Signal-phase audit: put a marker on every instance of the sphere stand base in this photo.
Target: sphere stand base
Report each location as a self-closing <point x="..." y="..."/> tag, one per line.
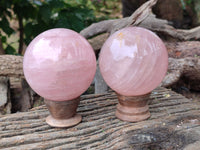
<point x="133" y="108"/>
<point x="63" y="113"/>
<point x="63" y="122"/>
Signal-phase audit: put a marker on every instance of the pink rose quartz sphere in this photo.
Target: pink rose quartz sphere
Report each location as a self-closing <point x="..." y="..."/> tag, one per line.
<point x="59" y="64"/>
<point x="133" y="61"/>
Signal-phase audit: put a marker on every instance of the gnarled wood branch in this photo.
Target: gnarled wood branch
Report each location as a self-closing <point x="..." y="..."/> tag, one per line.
<point x="142" y="17"/>
<point x="111" y="26"/>
<point x="186" y="67"/>
<point x="162" y="26"/>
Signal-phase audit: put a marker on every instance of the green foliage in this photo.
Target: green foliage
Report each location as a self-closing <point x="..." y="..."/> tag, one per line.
<point x="189" y="2"/>
<point x="185" y="3"/>
<point x="10" y="50"/>
<point x="38" y="16"/>
<point x="59" y="14"/>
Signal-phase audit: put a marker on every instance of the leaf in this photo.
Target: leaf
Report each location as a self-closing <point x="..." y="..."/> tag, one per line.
<point x="54" y="4"/>
<point x="28" y="29"/>
<point x="3" y="39"/>
<point x="41" y="15"/>
<point x="4" y="25"/>
<point x="63" y="23"/>
<point x="45" y="13"/>
<point x="10" y="50"/>
<point x="76" y="23"/>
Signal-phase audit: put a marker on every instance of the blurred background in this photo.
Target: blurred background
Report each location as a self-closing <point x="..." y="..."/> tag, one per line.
<point x="22" y="20"/>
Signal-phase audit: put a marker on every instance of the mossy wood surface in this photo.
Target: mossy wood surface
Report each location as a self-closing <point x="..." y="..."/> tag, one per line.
<point x="174" y="124"/>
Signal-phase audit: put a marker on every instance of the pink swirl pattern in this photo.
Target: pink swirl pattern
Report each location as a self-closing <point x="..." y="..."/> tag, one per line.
<point x="133" y="61"/>
<point x="59" y="64"/>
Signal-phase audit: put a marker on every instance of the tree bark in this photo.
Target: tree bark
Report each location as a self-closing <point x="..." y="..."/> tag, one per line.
<point x="2" y="51"/>
<point x="188" y="67"/>
<point x="183" y="49"/>
<point x="100" y="85"/>
<point x="5" y="103"/>
<point x="11" y="65"/>
<point x="22" y="97"/>
<point x="174" y="11"/>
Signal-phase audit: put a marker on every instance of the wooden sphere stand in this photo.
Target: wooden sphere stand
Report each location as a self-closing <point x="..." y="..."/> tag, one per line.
<point x="63" y="113"/>
<point x="133" y="108"/>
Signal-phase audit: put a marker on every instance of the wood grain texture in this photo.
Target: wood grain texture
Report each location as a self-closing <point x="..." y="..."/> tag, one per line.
<point x="11" y="66"/>
<point x="5" y="104"/>
<point x="183" y="49"/>
<point x="174" y="124"/>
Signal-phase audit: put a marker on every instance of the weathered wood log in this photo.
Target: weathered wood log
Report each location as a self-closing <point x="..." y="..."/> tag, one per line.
<point x="174" y="124"/>
<point x="175" y="49"/>
<point x="11" y="65"/>
<point x="97" y="42"/>
<point x="100" y="84"/>
<point x="183" y="49"/>
<point x="189" y="68"/>
<point x="22" y="97"/>
<point x="5" y="104"/>
<point x="161" y="26"/>
<point x="167" y="9"/>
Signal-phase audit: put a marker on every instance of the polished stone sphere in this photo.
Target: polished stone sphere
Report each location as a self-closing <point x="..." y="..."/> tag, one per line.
<point x="59" y="64"/>
<point x="133" y="61"/>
